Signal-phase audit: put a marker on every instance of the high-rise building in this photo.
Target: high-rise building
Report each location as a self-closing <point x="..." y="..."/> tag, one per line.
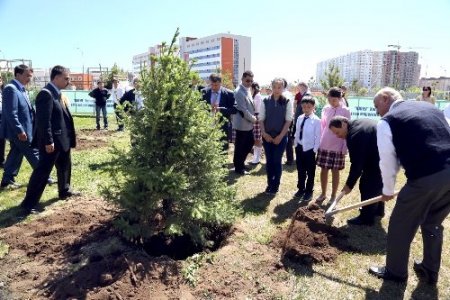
<point x="375" y="68"/>
<point x="229" y="53"/>
<point x="437" y="83"/>
<point x="142" y="60"/>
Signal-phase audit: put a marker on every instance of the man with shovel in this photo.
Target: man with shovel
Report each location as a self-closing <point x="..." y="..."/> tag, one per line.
<point x="415" y="135"/>
<point x="361" y="137"/>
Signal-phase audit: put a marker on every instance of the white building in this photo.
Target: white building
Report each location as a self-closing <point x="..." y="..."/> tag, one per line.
<point x="375" y="68"/>
<point x="143" y="60"/>
<point x="228" y="52"/>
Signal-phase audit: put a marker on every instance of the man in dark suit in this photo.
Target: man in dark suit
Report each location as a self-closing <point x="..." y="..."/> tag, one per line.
<point x="361" y="137"/>
<point x="55" y="135"/>
<point x="221" y="100"/>
<point x="17" y="125"/>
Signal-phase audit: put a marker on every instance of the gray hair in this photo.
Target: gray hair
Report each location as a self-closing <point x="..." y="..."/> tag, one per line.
<point x="277" y="80"/>
<point x="389" y="93"/>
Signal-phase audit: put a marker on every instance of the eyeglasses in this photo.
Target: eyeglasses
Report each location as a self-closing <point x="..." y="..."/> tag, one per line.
<point x="249" y="80"/>
<point x="425" y="89"/>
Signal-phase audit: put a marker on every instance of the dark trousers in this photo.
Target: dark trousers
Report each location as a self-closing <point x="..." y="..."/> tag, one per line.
<point x="119" y="116"/>
<point x="2" y="146"/>
<point x="13" y="162"/>
<point x="290" y="147"/>
<point x="306" y="168"/>
<point x="274" y="168"/>
<point x="370" y="186"/>
<point x="2" y="151"/>
<point x="423" y="202"/>
<point x="98" y="109"/>
<point x="38" y="180"/>
<point x="242" y="147"/>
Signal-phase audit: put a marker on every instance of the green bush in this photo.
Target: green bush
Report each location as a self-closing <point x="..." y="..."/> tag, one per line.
<point x="172" y="180"/>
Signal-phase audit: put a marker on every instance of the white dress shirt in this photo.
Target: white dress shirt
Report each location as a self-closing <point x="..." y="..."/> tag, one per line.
<point x="311" y="132"/>
<point x="116" y="94"/>
<point x="389" y="163"/>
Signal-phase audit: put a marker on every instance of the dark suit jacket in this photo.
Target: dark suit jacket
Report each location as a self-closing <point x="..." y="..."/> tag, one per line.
<point x="17" y="115"/>
<point x="129" y="97"/>
<point x="54" y="123"/>
<point x="226" y="103"/>
<point x="364" y="157"/>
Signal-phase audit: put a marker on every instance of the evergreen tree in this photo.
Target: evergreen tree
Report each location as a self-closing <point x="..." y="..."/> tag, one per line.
<point x="172" y="180"/>
<point x="332" y="78"/>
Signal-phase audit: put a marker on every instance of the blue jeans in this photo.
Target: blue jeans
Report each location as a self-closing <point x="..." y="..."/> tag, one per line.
<point x="13" y="162"/>
<point x="274" y="155"/>
<point x="99" y="108"/>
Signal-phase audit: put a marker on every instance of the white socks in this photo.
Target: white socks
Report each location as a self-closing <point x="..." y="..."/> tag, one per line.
<point x="256" y="154"/>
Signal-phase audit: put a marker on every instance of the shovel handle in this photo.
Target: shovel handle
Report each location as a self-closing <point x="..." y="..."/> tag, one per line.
<point x="334" y="203"/>
<point x="357" y="205"/>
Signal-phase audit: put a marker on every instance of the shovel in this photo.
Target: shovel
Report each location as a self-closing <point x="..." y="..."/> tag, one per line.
<point x="330" y="212"/>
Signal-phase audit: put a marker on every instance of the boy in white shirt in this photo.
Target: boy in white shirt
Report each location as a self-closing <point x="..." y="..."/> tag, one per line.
<point x="306" y="142"/>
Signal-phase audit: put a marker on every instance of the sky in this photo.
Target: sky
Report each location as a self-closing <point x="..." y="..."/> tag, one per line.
<point x="288" y="37"/>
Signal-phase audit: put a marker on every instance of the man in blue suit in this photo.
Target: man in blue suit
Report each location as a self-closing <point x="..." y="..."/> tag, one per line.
<point x="17" y="125"/>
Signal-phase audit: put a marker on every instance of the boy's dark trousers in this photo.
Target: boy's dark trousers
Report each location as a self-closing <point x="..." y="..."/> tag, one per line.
<point x="306" y="168"/>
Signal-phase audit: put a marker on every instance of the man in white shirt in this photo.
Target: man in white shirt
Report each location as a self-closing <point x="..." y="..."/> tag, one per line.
<point x="116" y="94"/>
<point x="415" y="135"/>
<point x="306" y="142"/>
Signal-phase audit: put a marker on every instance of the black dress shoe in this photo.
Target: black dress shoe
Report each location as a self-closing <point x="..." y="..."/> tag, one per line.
<point x="241" y="172"/>
<point x="424" y="273"/>
<point x="69" y="194"/>
<point x="51" y="181"/>
<point x="383" y="273"/>
<point x="10" y="185"/>
<point x="360" y="221"/>
<point x="307" y="197"/>
<point x="299" y="194"/>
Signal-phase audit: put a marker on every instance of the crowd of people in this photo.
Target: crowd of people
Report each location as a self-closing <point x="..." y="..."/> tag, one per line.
<point x="411" y="134"/>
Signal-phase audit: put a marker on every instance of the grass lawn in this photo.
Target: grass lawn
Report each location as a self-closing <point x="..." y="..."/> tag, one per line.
<point x="262" y="217"/>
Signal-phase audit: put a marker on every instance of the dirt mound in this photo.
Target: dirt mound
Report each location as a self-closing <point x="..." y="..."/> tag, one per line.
<point x="309" y="239"/>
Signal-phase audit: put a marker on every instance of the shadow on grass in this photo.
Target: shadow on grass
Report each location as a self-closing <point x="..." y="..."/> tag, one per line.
<point x="100" y="166"/>
<point x="425" y="291"/>
<point x="286" y="210"/>
<point x="15" y="214"/>
<point x="366" y="239"/>
<point x="257" y="204"/>
<point x="389" y="290"/>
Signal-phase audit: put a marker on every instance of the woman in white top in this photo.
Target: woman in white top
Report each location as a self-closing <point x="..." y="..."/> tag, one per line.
<point x="426" y="95"/>
<point x="257" y="149"/>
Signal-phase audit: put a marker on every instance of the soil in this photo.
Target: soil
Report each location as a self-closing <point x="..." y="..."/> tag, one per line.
<point x="91" y="139"/>
<point x="72" y="251"/>
<point x="309" y="239"/>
